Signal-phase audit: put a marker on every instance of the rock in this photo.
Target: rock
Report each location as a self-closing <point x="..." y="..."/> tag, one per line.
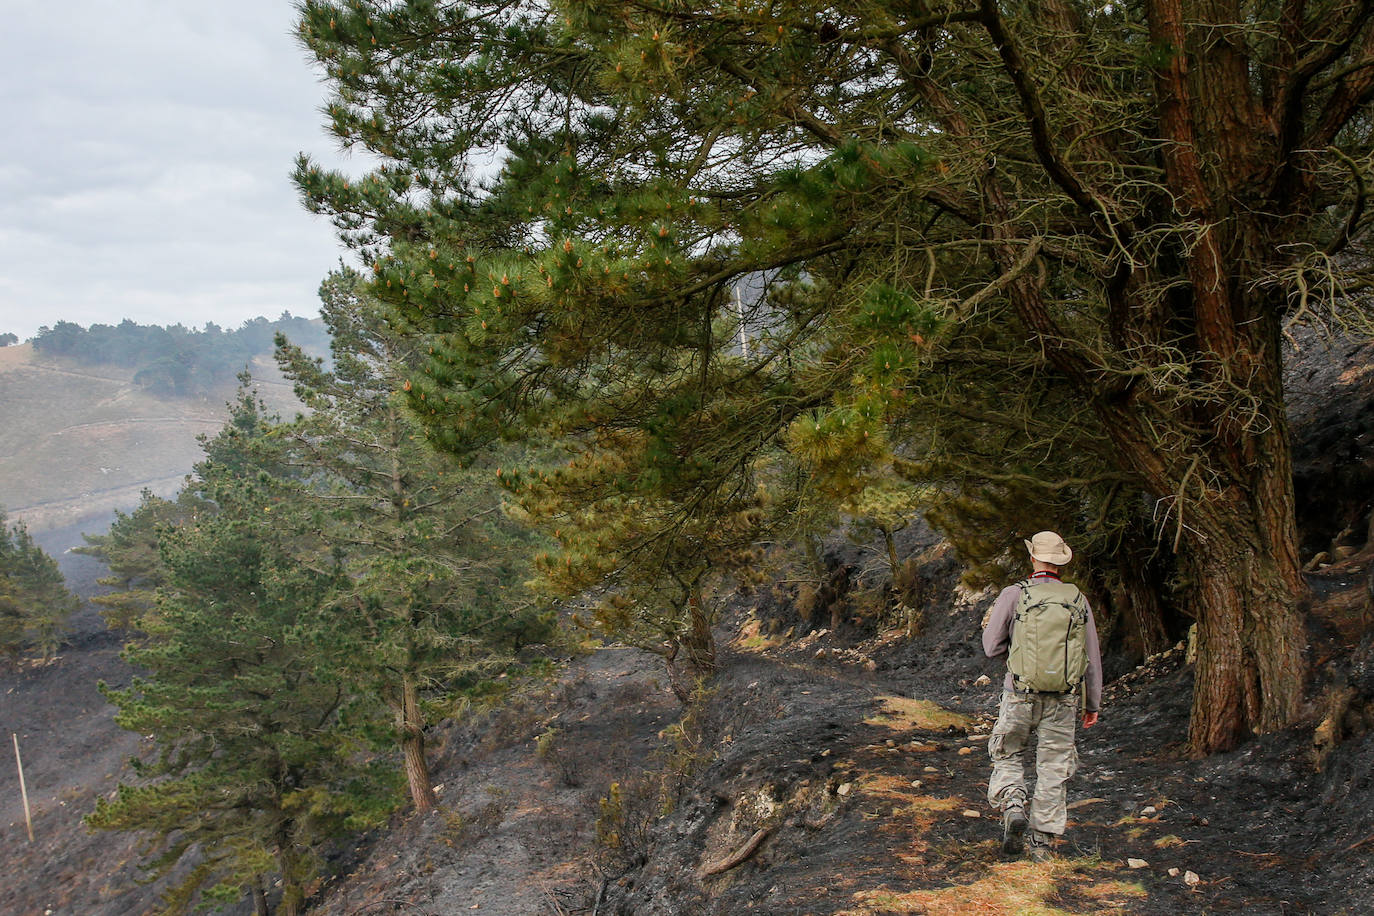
<point x="890" y="743"/>
<point x="983" y="681"/>
<point x="821" y="653"/>
<point x="1149" y="811"/>
<point x="1173" y="873"/>
<point x="932" y="769"/>
<point x="965" y="751"/>
<point x="1137" y="863"/>
<point x="844" y="789"/>
<point x="969" y="812"/>
<point x="916" y="784"/>
<point x="1190" y="878"/>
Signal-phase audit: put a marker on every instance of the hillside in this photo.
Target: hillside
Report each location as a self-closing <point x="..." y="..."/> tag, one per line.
<point x="78" y="441"/>
<point x="832" y="772"/>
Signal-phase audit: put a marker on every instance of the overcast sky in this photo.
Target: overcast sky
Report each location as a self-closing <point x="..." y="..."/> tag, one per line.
<point x="145" y="164"/>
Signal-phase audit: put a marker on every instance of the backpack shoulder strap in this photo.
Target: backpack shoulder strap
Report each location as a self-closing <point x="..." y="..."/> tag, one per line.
<point x="1024" y="599"/>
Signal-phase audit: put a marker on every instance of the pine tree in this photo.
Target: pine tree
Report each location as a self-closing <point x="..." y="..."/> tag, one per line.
<point x="1124" y="203"/>
<point x="130" y="549"/>
<point x="433" y="566"/>
<point x="34" y="600"/>
<point x="254" y="765"/>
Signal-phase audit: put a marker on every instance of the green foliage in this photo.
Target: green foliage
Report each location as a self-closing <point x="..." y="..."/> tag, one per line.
<point x="432" y="565"/>
<point x="131" y="550"/>
<point x="1019" y="251"/>
<point x="255" y="763"/>
<point x="34" y="600"/>
<point x="175" y="360"/>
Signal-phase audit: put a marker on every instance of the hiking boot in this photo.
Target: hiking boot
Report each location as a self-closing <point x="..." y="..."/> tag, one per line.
<point x="1038" y="847"/>
<point x="1013" y="828"/>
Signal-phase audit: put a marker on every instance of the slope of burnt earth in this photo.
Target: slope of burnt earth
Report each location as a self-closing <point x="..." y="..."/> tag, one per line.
<point x="515" y="832"/>
<point x="1329" y="388"/>
<point x="853" y="783"/>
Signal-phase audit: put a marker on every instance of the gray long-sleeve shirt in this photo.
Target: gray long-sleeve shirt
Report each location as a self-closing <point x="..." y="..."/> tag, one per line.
<point x="997" y="641"/>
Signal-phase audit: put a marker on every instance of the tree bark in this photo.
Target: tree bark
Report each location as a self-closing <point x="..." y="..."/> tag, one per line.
<point x="1249" y="669"/>
<point x="1141" y="599"/>
<point x="412" y="725"/>
<point x="259" y="897"/>
<point x="698" y="644"/>
<point x="289" y="863"/>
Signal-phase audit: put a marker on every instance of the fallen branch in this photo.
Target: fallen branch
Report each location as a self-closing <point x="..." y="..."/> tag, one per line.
<point x="740" y="855"/>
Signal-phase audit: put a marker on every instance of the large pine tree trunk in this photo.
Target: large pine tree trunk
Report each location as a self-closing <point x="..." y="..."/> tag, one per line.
<point x="1248" y="676"/>
<point x="412" y="726"/>
<point x="1237" y="544"/>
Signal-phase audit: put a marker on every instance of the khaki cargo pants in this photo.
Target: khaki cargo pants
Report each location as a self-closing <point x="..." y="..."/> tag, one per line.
<point x="1053" y="717"/>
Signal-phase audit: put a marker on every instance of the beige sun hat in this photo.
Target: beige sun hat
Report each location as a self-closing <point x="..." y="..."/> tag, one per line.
<point x="1048" y="547"/>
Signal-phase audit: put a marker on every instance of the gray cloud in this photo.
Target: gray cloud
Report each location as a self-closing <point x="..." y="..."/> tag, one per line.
<point x="145" y="172"/>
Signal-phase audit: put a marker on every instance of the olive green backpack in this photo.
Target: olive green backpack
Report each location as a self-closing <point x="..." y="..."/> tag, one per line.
<point x="1049" y="640"/>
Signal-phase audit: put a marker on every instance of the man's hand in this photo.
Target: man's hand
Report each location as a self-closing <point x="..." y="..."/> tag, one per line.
<point x="1089" y="719"/>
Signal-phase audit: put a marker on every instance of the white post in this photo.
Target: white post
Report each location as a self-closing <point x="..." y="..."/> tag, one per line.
<point x="743" y="335"/>
<point x="28" y="818"/>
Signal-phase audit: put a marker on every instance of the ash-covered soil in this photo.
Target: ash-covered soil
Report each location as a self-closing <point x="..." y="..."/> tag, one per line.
<point x="844" y="773"/>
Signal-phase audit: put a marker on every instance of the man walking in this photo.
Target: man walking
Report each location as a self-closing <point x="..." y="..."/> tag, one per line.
<point x="1045" y="629"/>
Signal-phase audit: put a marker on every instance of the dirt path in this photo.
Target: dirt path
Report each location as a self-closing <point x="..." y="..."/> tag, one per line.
<point x="870" y="787"/>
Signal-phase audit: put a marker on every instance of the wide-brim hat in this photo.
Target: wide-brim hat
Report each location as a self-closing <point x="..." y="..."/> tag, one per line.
<point x="1048" y="547"/>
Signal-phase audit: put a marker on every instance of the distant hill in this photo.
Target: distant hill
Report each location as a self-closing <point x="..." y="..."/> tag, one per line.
<point x="81" y="436"/>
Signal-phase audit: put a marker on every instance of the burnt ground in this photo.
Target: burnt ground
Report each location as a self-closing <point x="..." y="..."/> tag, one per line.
<point x="832" y="772"/>
<point x="856" y="759"/>
<point x="72" y="753"/>
<point x="858" y="764"/>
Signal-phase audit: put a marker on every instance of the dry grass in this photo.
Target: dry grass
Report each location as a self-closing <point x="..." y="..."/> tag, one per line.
<point x="903" y="714"/>
<point x="752" y="639"/>
<point x="78" y="441"/>
<point x="1009" y="889"/>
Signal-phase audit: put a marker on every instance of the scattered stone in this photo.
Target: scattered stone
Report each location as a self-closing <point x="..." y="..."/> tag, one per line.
<point x="845" y="788"/>
<point x="969" y="812"/>
<point x="1149" y="811"/>
<point x="916" y="784"/>
<point x="1174" y="873"/>
<point x="825" y="753"/>
<point x="890" y="743"/>
<point x="1190" y="878"/>
<point x="870" y="665"/>
<point x="983" y="681"/>
<point x="821" y="653"/>
<point x="965" y="751"/>
<point x="932" y="769"/>
<point x="1137" y="863"/>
